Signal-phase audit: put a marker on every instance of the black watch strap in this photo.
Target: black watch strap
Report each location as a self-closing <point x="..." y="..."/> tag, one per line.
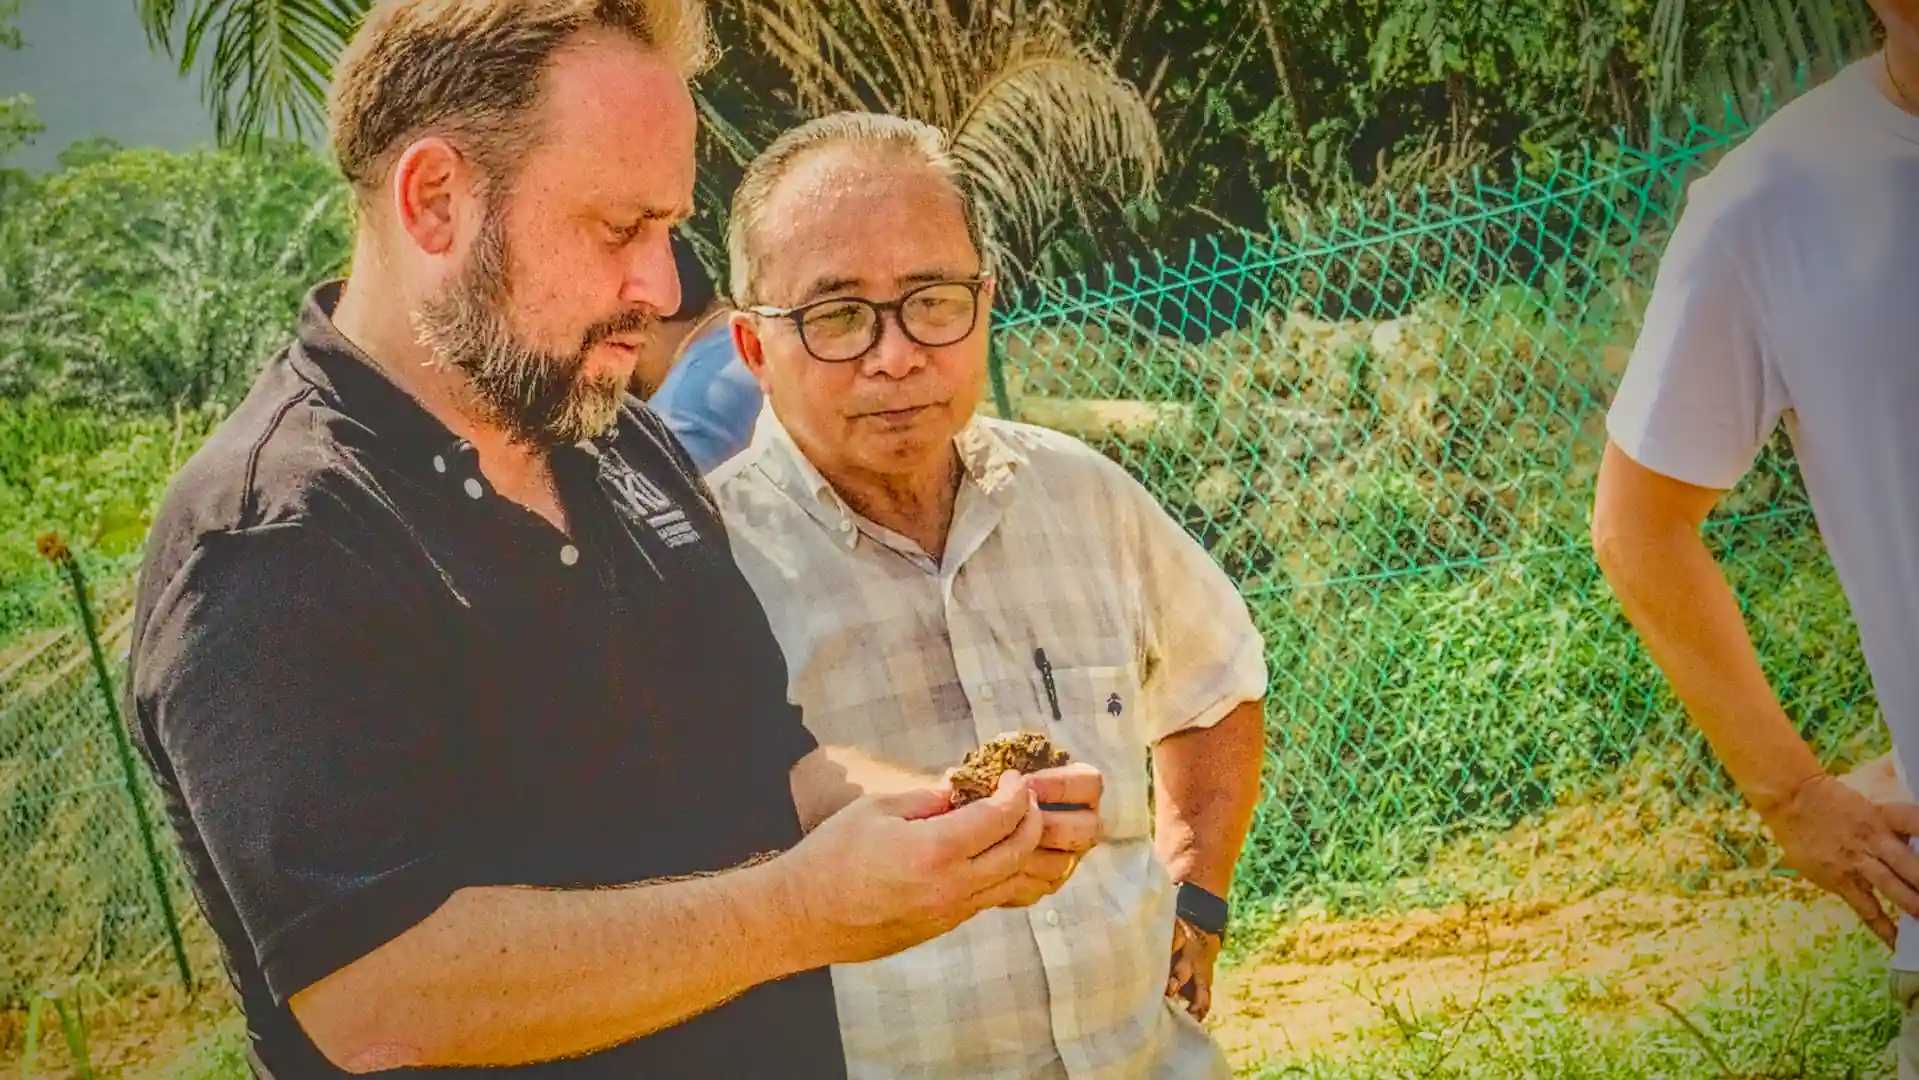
<point x="1202" y="909"/>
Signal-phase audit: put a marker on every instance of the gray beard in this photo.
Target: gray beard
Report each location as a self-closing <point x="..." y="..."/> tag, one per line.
<point x="538" y="398"/>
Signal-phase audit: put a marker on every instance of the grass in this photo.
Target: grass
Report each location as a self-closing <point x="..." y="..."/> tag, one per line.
<point x="1822" y="1011"/>
<point x="1411" y="711"/>
<point x="221" y="1054"/>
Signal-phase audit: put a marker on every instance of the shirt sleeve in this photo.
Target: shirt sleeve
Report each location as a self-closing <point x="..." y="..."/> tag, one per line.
<point x="713" y="405"/>
<point x="1701" y="394"/>
<point x="281" y="677"/>
<point x="1203" y="655"/>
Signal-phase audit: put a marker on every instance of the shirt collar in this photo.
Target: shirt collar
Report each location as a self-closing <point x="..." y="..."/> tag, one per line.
<point x="324" y="357"/>
<point x="991" y="463"/>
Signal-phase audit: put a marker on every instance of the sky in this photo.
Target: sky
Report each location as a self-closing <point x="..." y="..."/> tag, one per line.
<point x="88" y="68"/>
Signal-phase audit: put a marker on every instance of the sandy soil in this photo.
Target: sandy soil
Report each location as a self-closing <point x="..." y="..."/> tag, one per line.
<point x="1641" y="899"/>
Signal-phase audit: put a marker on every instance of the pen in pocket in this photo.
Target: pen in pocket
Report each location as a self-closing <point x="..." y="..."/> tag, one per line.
<point x="1045" y="667"/>
<point x="1046" y="676"/>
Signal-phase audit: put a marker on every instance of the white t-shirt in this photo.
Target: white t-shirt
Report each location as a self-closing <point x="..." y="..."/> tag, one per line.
<point x="1791" y="290"/>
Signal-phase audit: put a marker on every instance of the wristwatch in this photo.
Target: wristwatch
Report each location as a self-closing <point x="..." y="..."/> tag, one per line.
<point x="1202" y="909"/>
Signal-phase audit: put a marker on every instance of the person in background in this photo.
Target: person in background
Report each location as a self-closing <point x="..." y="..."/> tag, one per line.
<point x="937" y="578"/>
<point x="697" y="384"/>
<point x="1789" y="293"/>
<point x="698" y="304"/>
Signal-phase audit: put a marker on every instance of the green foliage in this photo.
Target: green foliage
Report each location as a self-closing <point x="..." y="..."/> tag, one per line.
<point x="83" y="152"/>
<point x="1273" y="107"/>
<point x="1264" y="108"/>
<point x="93" y="478"/>
<point x="267" y="62"/>
<point x="147" y="280"/>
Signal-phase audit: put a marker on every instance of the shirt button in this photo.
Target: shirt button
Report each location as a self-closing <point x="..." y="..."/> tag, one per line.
<point x="986" y="692"/>
<point x="473" y="489"/>
<point x="846" y="526"/>
<point x="1052" y="918"/>
<point x="569" y="555"/>
<point x="439" y="463"/>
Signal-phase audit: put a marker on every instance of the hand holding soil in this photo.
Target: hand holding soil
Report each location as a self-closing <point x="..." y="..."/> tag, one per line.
<point x="1068" y="794"/>
<point x="1024" y="752"/>
<point x="890" y="871"/>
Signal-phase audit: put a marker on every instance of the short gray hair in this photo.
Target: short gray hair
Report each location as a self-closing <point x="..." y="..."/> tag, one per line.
<point x="913" y="138"/>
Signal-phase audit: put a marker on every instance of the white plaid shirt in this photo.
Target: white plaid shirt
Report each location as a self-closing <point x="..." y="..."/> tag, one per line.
<point x="916" y="662"/>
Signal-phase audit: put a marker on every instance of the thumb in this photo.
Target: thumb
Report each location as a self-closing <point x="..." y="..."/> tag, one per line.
<point x="915" y="804"/>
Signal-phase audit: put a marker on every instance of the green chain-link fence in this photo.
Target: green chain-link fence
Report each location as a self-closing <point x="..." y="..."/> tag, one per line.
<point x="1385" y="428"/>
<point x="79" y="898"/>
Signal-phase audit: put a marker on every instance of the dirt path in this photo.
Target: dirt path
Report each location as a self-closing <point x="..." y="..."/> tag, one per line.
<point x="1638" y="898"/>
<point x="1318" y="984"/>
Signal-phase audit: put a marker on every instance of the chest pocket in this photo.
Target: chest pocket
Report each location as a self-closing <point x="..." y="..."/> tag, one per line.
<point x="1100" y="723"/>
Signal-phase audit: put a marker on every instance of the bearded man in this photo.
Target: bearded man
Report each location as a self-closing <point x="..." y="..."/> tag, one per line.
<point x="427" y="652"/>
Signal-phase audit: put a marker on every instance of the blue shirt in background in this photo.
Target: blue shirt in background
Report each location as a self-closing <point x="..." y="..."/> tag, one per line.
<point x="709" y="399"/>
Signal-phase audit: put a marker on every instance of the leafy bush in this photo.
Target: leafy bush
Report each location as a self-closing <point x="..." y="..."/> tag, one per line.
<point x="93" y="478"/>
<point x="143" y="280"/>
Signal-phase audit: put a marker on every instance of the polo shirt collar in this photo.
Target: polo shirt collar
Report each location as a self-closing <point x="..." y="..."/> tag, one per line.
<point x="340" y="370"/>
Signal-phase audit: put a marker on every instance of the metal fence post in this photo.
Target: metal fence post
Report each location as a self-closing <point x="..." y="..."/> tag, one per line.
<point x="56" y="552"/>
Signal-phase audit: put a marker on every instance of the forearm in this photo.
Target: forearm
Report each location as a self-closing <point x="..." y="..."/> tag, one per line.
<point x="1676" y="596"/>
<point x="505" y="975"/>
<point x="1206" y="784"/>
<point x="830" y="777"/>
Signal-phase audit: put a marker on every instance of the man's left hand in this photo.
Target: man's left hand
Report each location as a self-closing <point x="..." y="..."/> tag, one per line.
<point x="1077" y="785"/>
<point x="1194" y="953"/>
<point x="1065" y="835"/>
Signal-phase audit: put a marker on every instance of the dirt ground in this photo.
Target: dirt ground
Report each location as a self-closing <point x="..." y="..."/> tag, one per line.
<point x="1648" y="904"/>
<point x="1320" y="984"/>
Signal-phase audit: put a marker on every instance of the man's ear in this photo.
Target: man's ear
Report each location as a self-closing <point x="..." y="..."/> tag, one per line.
<point x="746" y="342"/>
<point x="432" y="186"/>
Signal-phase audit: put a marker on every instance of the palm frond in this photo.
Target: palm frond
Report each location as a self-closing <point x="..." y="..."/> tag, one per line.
<point x="1668" y="49"/>
<point x="1038" y="119"/>
<point x="1049" y="122"/>
<point x="265" y="63"/>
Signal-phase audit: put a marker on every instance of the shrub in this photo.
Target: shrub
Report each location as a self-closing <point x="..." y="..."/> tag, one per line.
<point x="147" y="280"/>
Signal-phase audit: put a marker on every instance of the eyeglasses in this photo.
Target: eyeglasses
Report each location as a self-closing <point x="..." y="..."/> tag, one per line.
<point x="846" y="328"/>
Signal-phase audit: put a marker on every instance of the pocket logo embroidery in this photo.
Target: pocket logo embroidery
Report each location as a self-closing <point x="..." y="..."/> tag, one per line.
<point x="1113" y="706"/>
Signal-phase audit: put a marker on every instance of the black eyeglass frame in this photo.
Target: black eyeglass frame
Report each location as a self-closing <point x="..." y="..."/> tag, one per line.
<point x="797" y="315"/>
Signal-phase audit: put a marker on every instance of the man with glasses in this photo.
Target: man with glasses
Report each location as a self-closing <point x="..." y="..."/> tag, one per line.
<point x="936" y="579"/>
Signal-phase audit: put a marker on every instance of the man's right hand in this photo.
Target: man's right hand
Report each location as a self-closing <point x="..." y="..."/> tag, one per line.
<point x="890" y="871"/>
<point x="1852" y="847"/>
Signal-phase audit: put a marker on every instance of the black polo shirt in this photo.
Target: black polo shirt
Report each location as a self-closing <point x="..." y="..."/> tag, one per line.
<point x="364" y="681"/>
